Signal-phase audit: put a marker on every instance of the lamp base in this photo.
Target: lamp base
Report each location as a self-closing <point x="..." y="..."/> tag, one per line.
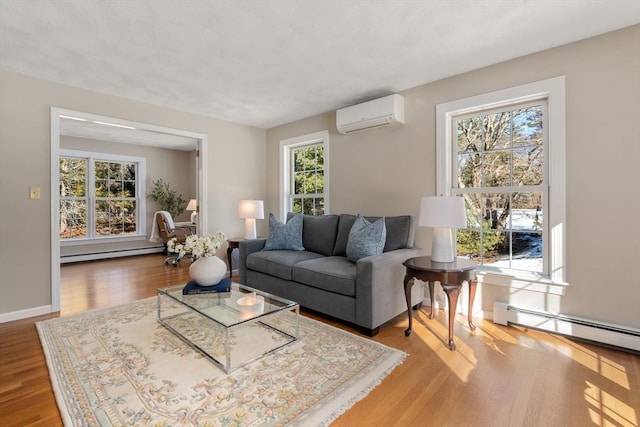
<point x="442" y="248"/>
<point x="249" y="228"/>
<point x="194" y="217"/>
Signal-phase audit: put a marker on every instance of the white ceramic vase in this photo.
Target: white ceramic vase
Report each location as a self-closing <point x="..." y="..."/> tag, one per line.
<point x="207" y="271"/>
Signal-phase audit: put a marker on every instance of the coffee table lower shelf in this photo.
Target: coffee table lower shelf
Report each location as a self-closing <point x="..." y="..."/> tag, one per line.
<point x="215" y="326"/>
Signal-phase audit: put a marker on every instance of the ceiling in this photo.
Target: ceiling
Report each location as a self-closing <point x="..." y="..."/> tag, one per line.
<point x="270" y="62"/>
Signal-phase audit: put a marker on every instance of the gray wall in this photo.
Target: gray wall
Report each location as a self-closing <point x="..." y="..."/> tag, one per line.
<point x="235" y="160"/>
<point x="385" y="172"/>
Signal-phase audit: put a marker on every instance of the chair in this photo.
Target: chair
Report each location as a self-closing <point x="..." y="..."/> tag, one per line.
<point x="167" y="231"/>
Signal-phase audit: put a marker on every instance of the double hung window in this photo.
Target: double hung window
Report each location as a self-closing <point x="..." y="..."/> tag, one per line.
<point x="304" y="177"/>
<point x="100" y="195"/>
<point x="503" y="152"/>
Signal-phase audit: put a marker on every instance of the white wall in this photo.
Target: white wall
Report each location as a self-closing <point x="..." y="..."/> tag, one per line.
<point x="236" y="170"/>
<point x="385" y="172"/>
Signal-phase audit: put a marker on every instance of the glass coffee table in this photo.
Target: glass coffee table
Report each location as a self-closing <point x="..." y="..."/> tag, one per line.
<point x="232" y="328"/>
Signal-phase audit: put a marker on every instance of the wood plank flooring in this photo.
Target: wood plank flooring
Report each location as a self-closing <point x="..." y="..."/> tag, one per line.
<point x="499" y="376"/>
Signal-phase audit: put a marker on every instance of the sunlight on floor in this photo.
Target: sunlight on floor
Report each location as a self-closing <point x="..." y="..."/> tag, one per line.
<point x="609" y="369"/>
<point x="464" y="362"/>
<point x="606" y="410"/>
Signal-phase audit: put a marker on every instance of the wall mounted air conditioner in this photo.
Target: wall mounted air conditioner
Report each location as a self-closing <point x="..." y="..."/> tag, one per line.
<point x="386" y="111"/>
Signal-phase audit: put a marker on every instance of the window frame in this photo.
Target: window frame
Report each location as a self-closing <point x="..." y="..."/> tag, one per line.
<point x="92" y="157"/>
<point x="287" y="146"/>
<point x="553" y="91"/>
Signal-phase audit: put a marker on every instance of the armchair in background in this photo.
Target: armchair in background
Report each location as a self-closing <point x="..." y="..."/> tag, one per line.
<point x="167" y="230"/>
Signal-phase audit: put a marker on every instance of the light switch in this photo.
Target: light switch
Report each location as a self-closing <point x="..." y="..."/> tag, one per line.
<point x="34" y="192"/>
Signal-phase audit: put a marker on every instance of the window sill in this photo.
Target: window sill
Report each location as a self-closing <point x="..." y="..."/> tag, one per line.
<point x="523" y="281"/>
<point x="102" y="240"/>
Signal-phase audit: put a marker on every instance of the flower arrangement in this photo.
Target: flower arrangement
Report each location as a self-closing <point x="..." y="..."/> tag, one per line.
<point x="204" y="246"/>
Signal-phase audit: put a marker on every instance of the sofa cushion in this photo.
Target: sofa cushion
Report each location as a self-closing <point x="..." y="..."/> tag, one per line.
<point x="334" y="274"/>
<point x="399" y="232"/>
<point x="282" y="236"/>
<point x="319" y="233"/>
<point x="365" y="238"/>
<point x="278" y="263"/>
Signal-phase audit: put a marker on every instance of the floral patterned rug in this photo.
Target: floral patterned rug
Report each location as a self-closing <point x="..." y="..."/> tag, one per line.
<point x="118" y="366"/>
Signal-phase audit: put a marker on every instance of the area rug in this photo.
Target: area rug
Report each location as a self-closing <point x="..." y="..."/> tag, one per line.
<point x="118" y="366"/>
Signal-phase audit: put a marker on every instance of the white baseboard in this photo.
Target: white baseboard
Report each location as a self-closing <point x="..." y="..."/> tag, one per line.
<point x="106" y="255"/>
<point x="23" y="314"/>
<point x="605" y="333"/>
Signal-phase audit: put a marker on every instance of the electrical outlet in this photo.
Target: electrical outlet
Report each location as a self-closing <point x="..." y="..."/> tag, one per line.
<point x="34" y="192"/>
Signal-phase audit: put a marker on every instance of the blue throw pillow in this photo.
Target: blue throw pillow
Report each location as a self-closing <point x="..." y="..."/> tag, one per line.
<point x="366" y="238"/>
<point x="287" y="237"/>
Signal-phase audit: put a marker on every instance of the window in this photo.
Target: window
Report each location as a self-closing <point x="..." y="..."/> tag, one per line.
<point x="498" y="152"/>
<point x="501" y="175"/>
<point x="100" y="195"/>
<point x="304" y="176"/>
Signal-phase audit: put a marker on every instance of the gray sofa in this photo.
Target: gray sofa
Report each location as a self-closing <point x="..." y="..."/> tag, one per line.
<point x="366" y="293"/>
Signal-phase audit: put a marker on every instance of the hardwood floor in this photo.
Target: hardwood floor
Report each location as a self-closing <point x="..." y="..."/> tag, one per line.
<point x="499" y="376"/>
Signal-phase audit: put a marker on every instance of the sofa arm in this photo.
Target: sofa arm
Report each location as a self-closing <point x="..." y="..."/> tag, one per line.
<point x="380" y="287"/>
<point x="245" y="248"/>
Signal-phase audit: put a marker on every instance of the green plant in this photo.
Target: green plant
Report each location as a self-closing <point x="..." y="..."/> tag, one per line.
<point x="167" y="198"/>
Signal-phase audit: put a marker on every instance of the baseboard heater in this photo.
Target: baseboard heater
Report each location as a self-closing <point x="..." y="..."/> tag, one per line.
<point x="603" y="333"/>
<point x="109" y="254"/>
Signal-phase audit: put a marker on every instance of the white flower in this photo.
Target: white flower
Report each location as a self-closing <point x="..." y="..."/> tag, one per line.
<point x="204" y="246"/>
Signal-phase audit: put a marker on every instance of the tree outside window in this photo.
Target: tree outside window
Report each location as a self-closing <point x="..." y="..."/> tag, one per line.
<point x="500" y="164"/>
<point x="308" y="180"/>
<point x="98" y="198"/>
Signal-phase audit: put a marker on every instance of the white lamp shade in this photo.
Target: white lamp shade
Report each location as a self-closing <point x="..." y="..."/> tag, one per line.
<point x="193" y="205"/>
<point x="442" y="212"/>
<point x="251" y="209"/>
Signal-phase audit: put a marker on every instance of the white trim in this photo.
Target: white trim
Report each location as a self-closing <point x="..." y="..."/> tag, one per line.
<point x="606" y="333"/>
<point x="108" y="255"/>
<point x="554" y="91"/>
<point x="23" y="314"/>
<point x="55" y="200"/>
<point x="106" y="239"/>
<point x="285" y="162"/>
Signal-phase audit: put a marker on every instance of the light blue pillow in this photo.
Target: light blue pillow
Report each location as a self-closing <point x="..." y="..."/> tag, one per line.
<point x="366" y="238"/>
<point x="287" y="237"/>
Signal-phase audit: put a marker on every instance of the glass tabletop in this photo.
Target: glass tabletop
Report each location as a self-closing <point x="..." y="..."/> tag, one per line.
<point x="242" y="304"/>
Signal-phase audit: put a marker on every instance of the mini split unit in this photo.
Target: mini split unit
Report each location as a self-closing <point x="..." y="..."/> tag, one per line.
<point x="381" y="112"/>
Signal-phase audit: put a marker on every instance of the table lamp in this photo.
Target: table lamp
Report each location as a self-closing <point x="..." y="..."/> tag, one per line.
<point x="250" y="210"/>
<point x="443" y="213"/>
<point x="193" y="206"/>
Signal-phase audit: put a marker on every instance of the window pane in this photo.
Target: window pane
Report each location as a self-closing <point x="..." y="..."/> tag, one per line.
<point x="307" y="206"/>
<point x="298" y="183"/>
<point x="73" y="218"/>
<point x="319" y="206"/>
<point x="526" y="213"/>
<point x="497" y="131"/>
<point x="527" y="251"/>
<point x="527" y="126"/>
<point x="102" y="188"/>
<point x="469" y="132"/>
<point x="474" y="209"/>
<point x="129" y="189"/>
<point x="309" y="186"/>
<point x="469" y="170"/>
<point x="115" y="170"/>
<point x="527" y="166"/>
<point x="102" y="218"/>
<point x="497" y="168"/>
<point x="297" y="206"/>
<point x="129" y="171"/>
<point x="73" y="174"/>
<point x="101" y="170"/>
